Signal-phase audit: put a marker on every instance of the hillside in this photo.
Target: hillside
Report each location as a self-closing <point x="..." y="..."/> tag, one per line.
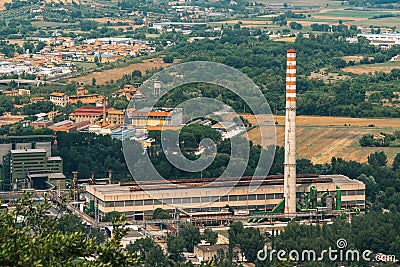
<point x="321" y="138"/>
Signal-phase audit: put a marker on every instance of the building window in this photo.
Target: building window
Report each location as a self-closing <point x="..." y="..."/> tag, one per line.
<point x="119" y="203"/>
<point x="224" y="199"/>
<point x="233" y="198"/>
<point x="138" y="202"/>
<point x="270" y="196"/>
<point x="251" y="197"/>
<point x="129" y="203"/>
<point x="242" y="198"/>
<point x="186" y="200"/>
<point x="148" y="202"/>
<point x="260" y="197"/>
<point x="167" y="200"/>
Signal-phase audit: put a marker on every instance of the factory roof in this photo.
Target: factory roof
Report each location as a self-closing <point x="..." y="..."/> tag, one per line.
<point x="50" y="175"/>
<point x="23" y="151"/>
<point x="54" y="158"/>
<point x="192" y="185"/>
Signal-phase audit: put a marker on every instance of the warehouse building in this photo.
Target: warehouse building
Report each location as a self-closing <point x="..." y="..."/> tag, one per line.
<point x="199" y="195"/>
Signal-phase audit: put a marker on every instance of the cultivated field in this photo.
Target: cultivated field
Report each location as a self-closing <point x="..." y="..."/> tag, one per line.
<point x="111" y="20"/>
<point x="321" y="138"/>
<point x="367" y="68"/>
<point x="117" y="73"/>
<point x="328" y="77"/>
<point x="300" y="2"/>
<point x="2" y="2"/>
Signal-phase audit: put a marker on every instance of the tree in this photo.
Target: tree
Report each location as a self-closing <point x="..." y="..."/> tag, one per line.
<point x="396" y="163"/>
<point x="378" y="159"/>
<point x="190" y="235"/>
<point x="250" y="242"/>
<point x="160" y="213"/>
<point x="121" y="104"/>
<point x="114" y="215"/>
<point x="210" y="236"/>
<point x="168" y="59"/>
<point x="93" y="81"/>
<point x="175" y="246"/>
<point x="150" y="253"/>
<point x="136" y="74"/>
<point x="83" y="170"/>
<point x="87" y="25"/>
<point x="155" y="257"/>
<point x="366" y="140"/>
<point x="295" y="26"/>
<point x="234" y="230"/>
<point x="35" y="240"/>
<point x="70" y="223"/>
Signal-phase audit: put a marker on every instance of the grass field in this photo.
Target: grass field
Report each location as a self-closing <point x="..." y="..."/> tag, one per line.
<point x="106" y="76"/>
<point x="367" y="68"/>
<point x="321" y="138"/>
<point x="85" y="65"/>
<point x="355" y="14"/>
<point x="301" y="2"/>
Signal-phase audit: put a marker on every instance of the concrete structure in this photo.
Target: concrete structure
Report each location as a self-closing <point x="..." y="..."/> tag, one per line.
<point x="157" y="88"/>
<point x="44" y="180"/>
<point x="290" y="135"/>
<point x="24" y="142"/>
<point x="59" y="99"/>
<point x="194" y="196"/>
<point x="18" y="164"/>
<point x="384" y="40"/>
<point x="155" y="117"/>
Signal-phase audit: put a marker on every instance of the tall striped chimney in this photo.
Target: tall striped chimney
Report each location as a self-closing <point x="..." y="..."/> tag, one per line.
<point x="290" y="135"/>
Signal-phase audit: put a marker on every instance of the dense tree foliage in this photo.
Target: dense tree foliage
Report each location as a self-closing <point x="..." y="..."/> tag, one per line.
<point x="31" y="238"/>
<point x="373" y="231"/>
<point x="90" y="152"/>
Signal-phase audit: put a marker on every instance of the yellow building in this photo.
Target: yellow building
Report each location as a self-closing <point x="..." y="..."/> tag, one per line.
<point x="59" y="99"/>
<point x="115" y="117"/>
<point x="155" y="117"/>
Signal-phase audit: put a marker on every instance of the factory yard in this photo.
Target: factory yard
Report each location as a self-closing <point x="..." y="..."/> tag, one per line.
<point x="106" y="76"/>
<point x="321" y="138"/>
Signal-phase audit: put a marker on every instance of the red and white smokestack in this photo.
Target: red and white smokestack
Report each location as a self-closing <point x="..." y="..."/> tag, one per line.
<point x="290" y="135"/>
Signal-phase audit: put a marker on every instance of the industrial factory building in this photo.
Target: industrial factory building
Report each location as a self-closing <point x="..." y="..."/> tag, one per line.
<point x="195" y="195"/>
<point x="26" y="162"/>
